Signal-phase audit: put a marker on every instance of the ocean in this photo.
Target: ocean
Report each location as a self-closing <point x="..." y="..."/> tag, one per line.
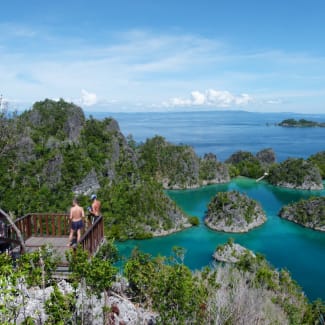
<point x="225" y="132"/>
<point x="284" y="244"/>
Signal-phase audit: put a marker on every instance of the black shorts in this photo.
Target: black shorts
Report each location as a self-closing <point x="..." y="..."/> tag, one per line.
<point x="75" y="225"/>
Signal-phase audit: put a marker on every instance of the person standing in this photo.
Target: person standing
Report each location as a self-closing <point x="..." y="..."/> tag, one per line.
<point x="95" y="207"/>
<point x="77" y="215"/>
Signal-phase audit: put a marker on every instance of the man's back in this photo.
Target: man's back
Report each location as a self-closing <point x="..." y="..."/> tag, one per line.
<point x="76" y="213"/>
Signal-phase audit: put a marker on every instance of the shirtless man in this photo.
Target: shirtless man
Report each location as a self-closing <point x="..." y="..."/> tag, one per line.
<point x="95" y="207"/>
<point x="77" y="215"/>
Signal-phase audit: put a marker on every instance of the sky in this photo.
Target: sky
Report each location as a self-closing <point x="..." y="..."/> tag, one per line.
<point x="164" y="55"/>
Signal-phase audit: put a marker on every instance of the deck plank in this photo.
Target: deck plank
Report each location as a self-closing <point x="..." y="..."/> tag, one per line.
<point x="59" y="245"/>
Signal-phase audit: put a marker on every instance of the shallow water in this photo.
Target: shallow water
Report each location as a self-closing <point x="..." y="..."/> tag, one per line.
<point x="283" y="243"/>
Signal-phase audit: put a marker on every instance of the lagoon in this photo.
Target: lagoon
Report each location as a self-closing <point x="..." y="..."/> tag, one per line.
<point x="283" y="243"/>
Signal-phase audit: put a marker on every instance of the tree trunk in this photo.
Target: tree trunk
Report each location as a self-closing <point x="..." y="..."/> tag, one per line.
<point x="15" y="228"/>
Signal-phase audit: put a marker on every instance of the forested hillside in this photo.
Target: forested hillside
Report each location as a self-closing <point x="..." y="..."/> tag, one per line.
<point x="54" y="153"/>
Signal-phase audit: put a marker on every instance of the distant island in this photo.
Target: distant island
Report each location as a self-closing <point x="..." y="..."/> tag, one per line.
<point x="302" y="123"/>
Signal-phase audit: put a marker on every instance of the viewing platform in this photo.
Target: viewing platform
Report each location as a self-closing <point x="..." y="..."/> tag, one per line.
<point x="39" y="229"/>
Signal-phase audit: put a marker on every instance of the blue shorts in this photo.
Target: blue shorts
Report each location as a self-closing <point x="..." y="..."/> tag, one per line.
<point x="75" y="225"/>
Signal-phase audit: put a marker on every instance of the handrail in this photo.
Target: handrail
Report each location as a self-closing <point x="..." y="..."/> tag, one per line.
<point x="44" y="224"/>
<point x="57" y="225"/>
<point x="93" y="236"/>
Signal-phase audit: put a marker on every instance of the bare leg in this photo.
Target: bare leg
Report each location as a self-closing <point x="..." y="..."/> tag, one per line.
<point x="70" y="237"/>
<point x="78" y="235"/>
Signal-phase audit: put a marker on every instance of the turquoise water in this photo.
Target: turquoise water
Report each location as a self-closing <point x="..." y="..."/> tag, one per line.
<point x="284" y="244"/>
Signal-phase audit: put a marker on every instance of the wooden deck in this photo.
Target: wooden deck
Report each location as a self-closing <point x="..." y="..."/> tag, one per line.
<point x="39" y="229"/>
<point x="59" y="245"/>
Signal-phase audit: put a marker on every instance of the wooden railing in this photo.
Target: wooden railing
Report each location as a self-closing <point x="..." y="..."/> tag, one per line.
<point x="58" y="225"/>
<point x="93" y="236"/>
<point x="44" y="225"/>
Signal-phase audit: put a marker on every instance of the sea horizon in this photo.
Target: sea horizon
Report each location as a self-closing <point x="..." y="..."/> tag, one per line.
<point x="224" y="132"/>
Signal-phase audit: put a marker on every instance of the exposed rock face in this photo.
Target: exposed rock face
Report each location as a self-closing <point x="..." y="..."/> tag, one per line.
<point x="234" y="212"/>
<point x="112" y="125"/>
<point x="122" y="310"/>
<point x="89" y="185"/>
<point x="212" y="171"/>
<point x="308" y="184"/>
<point x="52" y="170"/>
<point x="178" y="166"/>
<point x="53" y="116"/>
<point x="74" y="123"/>
<point x="231" y="253"/>
<point x="308" y="213"/>
<point x="179" y="221"/>
<point x="266" y="156"/>
<point x="25" y="149"/>
<point x="240" y="156"/>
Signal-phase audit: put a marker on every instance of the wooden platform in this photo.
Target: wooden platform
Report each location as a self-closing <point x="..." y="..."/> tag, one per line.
<point x="59" y="245"/>
<point x="39" y="229"/>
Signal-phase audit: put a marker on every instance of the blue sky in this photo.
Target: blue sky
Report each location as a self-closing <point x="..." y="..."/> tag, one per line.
<point x="141" y="55"/>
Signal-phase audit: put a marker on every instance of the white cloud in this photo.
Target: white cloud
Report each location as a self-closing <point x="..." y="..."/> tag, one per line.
<point x="197" y="98"/>
<point x="147" y="67"/>
<point x="87" y="98"/>
<point x="211" y="97"/>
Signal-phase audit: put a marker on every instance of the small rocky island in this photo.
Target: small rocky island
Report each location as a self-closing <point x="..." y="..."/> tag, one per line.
<point x="296" y="173"/>
<point x="231" y="252"/>
<point x="302" y="123"/>
<point x="234" y="212"/>
<point x="308" y="213"/>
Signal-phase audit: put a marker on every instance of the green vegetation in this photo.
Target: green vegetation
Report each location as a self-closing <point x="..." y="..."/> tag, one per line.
<point x="194" y="221"/>
<point x="243" y="292"/>
<point x="245" y="164"/>
<point x="59" y="307"/>
<point x="297" y="173"/>
<point x="177" y="166"/>
<point x="319" y="160"/>
<point x="54" y="153"/>
<point x="167" y="286"/>
<point x="309" y="213"/>
<point x="233" y="211"/>
<point x="212" y="171"/>
<point x="277" y="286"/>
<point x="300" y="123"/>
